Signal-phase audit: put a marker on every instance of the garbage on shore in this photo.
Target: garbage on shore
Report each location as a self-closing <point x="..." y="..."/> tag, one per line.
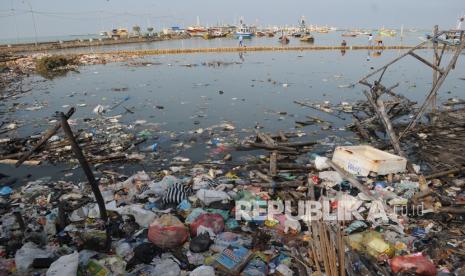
<point x="180" y="221"/>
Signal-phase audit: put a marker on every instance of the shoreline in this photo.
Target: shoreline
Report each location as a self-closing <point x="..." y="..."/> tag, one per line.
<point x="73" y="44"/>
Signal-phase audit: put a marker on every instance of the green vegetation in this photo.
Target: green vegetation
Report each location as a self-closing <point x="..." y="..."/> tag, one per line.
<point x="53" y="66"/>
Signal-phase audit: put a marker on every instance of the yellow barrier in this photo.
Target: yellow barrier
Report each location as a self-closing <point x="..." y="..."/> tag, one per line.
<point x="252" y="49"/>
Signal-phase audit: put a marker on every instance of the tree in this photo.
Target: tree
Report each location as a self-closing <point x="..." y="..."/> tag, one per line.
<point x="136" y="30"/>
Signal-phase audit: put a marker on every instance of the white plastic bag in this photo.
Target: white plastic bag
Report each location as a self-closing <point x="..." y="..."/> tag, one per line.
<point x="159" y="188"/>
<point x="210" y="196"/>
<point x="26" y="255"/>
<point x="320" y="163"/>
<point x="65" y="265"/>
<point x="143" y="217"/>
<point x="167" y="267"/>
<point x="203" y="270"/>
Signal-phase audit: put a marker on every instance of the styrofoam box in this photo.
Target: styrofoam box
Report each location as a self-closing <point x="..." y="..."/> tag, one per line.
<point x="361" y="160"/>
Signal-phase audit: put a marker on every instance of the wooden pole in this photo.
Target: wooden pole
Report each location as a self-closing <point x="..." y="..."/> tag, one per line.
<point x="88" y="172"/>
<point x="437" y="85"/>
<point x="436" y="63"/>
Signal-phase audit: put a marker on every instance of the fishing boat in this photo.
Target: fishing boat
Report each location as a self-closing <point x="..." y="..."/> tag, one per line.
<point x="212" y="33"/>
<point x="322" y="30"/>
<point x="197" y="30"/>
<point x="303" y="31"/>
<point x="307" y="38"/>
<point x="270" y="34"/>
<point x="349" y="34"/>
<point x="260" y="34"/>
<point x="387" y="32"/>
<point x="283" y="39"/>
<point x="244" y="31"/>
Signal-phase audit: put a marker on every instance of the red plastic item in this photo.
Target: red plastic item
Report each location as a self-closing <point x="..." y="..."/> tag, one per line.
<point x="213" y="221"/>
<point x="413" y="263"/>
<point x="167" y="232"/>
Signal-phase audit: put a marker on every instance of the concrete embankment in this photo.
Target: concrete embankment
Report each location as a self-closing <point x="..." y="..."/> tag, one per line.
<point x="72" y="44"/>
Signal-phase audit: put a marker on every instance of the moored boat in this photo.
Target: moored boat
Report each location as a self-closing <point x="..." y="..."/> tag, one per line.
<point x="307" y="38"/>
<point x="303" y="31"/>
<point x="244" y="31"/>
<point x="387" y="32"/>
<point x="349" y="34"/>
<point x="197" y="30"/>
<point x="283" y="39"/>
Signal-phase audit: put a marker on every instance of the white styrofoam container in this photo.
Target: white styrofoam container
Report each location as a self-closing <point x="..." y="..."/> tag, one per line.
<point x="361" y="160"/>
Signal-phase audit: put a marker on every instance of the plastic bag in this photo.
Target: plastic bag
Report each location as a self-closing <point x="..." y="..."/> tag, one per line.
<point x="203" y="270"/>
<point x="201" y="243"/>
<point x="65" y="265"/>
<point x="167" y="267"/>
<point x="212" y="221"/>
<point x="143" y="217"/>
<point x="210" y="196"/>
<point x="159" y="188"/>
<point x="167" y="232"/>
<point x="413" y="263"/>
<point x="26" y="255"/>
<point x="320" y="163"/>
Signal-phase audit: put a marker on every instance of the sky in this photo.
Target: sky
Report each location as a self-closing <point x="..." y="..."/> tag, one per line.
<point x="68" y="17"/>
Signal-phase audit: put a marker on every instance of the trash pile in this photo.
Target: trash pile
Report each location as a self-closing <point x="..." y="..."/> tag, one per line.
<point x="194" y="221"/>
<point x="112" y="143"/>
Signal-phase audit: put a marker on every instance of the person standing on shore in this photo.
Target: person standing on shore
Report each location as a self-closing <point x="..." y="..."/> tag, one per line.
<point x="241" y="41"/>
<point x="370" y="40"/>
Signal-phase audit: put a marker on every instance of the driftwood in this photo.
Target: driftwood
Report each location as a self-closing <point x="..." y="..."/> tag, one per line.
<point x="453" y="210"/>
<point x="378" y="106"/>
<point x="445" y="173"/>
<point x="14" y="161"/>
<point x="282" y="136"/>
<point x="268" y="147"/>
<point x="265" y="138"/>
<point x="44" y="139"/>
<point x="284" y="184"/>
<point x="361" y="130"/>
<point x="319" y="109"/>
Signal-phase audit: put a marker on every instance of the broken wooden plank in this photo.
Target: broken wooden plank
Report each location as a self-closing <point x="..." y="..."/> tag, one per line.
<point x="319" y="109"/>
<point x="427" y="62"/>
<point x="273" y="163"/>
<point x="268" y="147"/>
<point x="265" y="138"/>
<point x="282" y="136"/>
<point x="14" y="161"/>
<point x="378" y="106"/>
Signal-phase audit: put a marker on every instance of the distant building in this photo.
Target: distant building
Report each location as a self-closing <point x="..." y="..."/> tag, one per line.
<point x="119" y="33"/>
<point x="175" y="30"/>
